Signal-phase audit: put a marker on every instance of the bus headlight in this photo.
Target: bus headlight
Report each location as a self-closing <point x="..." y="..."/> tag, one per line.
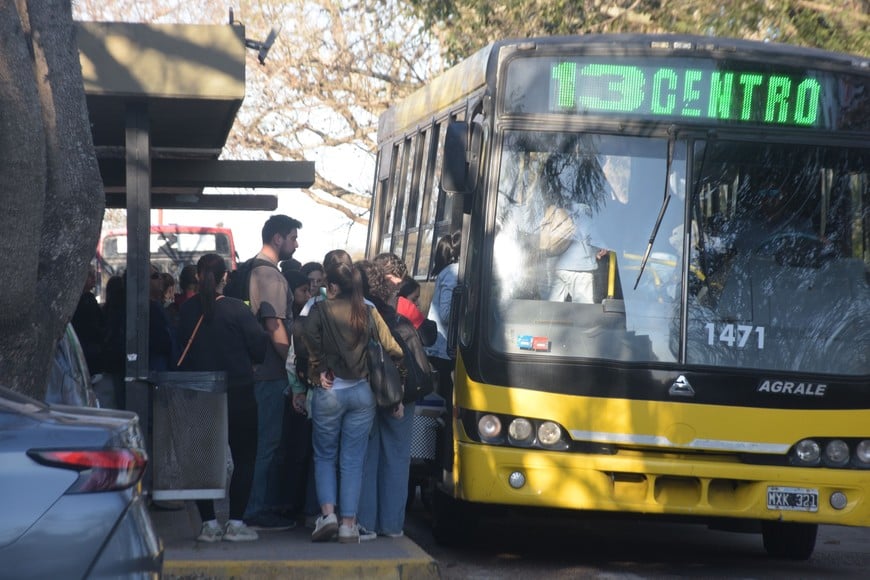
<point x="837" y="452"/>
<point x="514" y="431"/>
<point x="549" y="433"/>
<point x="489" y="427"/>
<point x="862" y="451"/>
<point x="807" y="451"/>
<point x="520" y="430"/>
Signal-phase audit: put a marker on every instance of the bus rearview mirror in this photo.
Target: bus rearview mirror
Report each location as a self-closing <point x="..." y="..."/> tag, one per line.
<point x="454" y="174"/>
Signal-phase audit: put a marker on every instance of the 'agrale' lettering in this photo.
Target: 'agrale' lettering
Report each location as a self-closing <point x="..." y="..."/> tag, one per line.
<point x="792" y="388"/>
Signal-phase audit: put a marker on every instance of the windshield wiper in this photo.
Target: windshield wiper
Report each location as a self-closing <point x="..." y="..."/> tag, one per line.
<point x="672" y="134"/>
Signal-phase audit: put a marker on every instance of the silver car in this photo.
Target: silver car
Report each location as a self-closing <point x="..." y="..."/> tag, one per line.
<point x="70" y="493"/>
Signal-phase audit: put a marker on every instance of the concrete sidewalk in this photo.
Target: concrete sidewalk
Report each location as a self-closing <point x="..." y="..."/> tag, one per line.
<point x="287" y="554"/>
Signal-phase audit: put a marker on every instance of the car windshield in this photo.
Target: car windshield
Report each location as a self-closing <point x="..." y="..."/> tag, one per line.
<point x="778" y="252"/>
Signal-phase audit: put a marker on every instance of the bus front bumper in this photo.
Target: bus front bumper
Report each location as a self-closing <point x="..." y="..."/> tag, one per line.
<point x="665" y="484"/>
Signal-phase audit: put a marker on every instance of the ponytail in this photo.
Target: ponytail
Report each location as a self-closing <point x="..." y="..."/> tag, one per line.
<point x="340" y="271"/>
<point x="210" y="270"/>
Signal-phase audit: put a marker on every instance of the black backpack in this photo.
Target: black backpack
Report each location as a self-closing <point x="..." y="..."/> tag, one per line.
<point x="239" y="280"/>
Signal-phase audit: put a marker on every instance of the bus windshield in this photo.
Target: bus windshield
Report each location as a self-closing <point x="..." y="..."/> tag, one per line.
<point x="573" y="219"/>
<point x="781" y="234"/>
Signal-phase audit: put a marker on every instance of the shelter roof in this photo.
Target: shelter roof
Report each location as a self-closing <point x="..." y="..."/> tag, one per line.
<point x="191" y="78"/>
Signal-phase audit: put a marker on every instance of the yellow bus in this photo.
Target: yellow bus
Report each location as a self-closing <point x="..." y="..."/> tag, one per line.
<point x="663" y="303"/>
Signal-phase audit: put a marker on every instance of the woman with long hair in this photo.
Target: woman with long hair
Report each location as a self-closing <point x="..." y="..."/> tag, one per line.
<point x="336" y="333"/>
<point x="388" y="458"/>
<point x="222" y="334"/>
<point x="445" y="270"/>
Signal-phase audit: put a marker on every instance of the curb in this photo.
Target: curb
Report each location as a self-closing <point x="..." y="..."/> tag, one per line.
<point x="415" y="569"/>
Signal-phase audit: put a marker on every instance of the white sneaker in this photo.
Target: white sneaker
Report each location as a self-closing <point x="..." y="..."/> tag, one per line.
<point x="324" y="528"/>
<point x="399" y="534"/>
<point x="239" y="533"/>
<point x="348" y="534"/>
<point x="209" y="533"/>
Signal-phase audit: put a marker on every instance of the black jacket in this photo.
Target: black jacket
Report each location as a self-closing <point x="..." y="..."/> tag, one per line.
<point x="233" y="341"/>
<point x="417" y="369"/>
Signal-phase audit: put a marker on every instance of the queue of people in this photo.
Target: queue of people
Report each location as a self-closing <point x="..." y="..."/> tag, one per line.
<point x="306" y="437"/>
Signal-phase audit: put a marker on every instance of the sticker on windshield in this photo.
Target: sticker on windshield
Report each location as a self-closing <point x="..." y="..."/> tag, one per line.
<point x="735" y="335"/>
<point x="536" y="343"/>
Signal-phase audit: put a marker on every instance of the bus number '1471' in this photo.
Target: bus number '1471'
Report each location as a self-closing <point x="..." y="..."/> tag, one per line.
<point x="735" y="335"/>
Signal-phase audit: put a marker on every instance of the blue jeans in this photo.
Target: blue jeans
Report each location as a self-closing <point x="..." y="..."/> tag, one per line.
<point x="385" y="478"/>
<point x="270" y="421"/>
<point x="342" y="420"/>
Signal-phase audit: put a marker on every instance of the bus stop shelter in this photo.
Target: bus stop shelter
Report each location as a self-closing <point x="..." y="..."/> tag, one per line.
<point x="162" y="99"/>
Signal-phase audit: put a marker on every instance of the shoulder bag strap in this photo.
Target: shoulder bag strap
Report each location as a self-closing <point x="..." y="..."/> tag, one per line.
<point x="192" y="335"/>
<point x="372" y="330"/>
<point x="190" y="341"/>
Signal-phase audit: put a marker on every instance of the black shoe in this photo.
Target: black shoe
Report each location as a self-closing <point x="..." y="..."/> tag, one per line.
<point x="270" y="522"/>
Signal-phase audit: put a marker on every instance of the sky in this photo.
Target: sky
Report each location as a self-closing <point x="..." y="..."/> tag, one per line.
<point x="323" y="228"/>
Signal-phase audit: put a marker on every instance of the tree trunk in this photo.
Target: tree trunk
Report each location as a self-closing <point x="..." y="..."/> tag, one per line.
<point x="50" y="187"/>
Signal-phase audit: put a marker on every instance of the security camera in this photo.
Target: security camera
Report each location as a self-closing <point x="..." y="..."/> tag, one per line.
<point x="263" y="47"/>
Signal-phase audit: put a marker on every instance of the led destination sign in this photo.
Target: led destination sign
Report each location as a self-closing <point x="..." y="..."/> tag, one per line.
<point x="686" y="92"/>
<point x="681" y="89"/>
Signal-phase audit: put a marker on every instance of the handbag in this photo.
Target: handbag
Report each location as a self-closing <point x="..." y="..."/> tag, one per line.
<point x="384" y="376"/>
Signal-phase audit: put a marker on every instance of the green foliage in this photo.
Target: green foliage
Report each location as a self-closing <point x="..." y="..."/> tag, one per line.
<point x="463" y="26"/>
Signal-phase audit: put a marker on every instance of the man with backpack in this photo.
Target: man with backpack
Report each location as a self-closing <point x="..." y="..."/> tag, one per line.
<point x="260" y="283"/>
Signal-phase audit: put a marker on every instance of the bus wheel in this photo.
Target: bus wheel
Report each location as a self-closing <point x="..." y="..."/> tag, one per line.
<point x="789" y="540"/>
<point x="453" y="521"/>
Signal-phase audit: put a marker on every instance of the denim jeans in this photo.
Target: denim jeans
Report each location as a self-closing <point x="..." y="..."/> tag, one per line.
<point x="385" y="478"/>
<point x="342" y="421"/>
<point x="270" y="421"/>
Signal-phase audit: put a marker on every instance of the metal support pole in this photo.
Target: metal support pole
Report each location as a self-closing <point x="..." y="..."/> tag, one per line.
<point x="138" y="235"/>
<point x="138" y="169"/>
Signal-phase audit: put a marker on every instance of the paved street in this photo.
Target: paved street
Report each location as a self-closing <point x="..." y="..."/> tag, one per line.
<point x="522" y="548"/>
<point x="513" y="547"/>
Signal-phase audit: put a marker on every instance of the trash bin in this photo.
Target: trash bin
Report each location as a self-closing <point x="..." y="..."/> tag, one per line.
<point x="189" y="435"/>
